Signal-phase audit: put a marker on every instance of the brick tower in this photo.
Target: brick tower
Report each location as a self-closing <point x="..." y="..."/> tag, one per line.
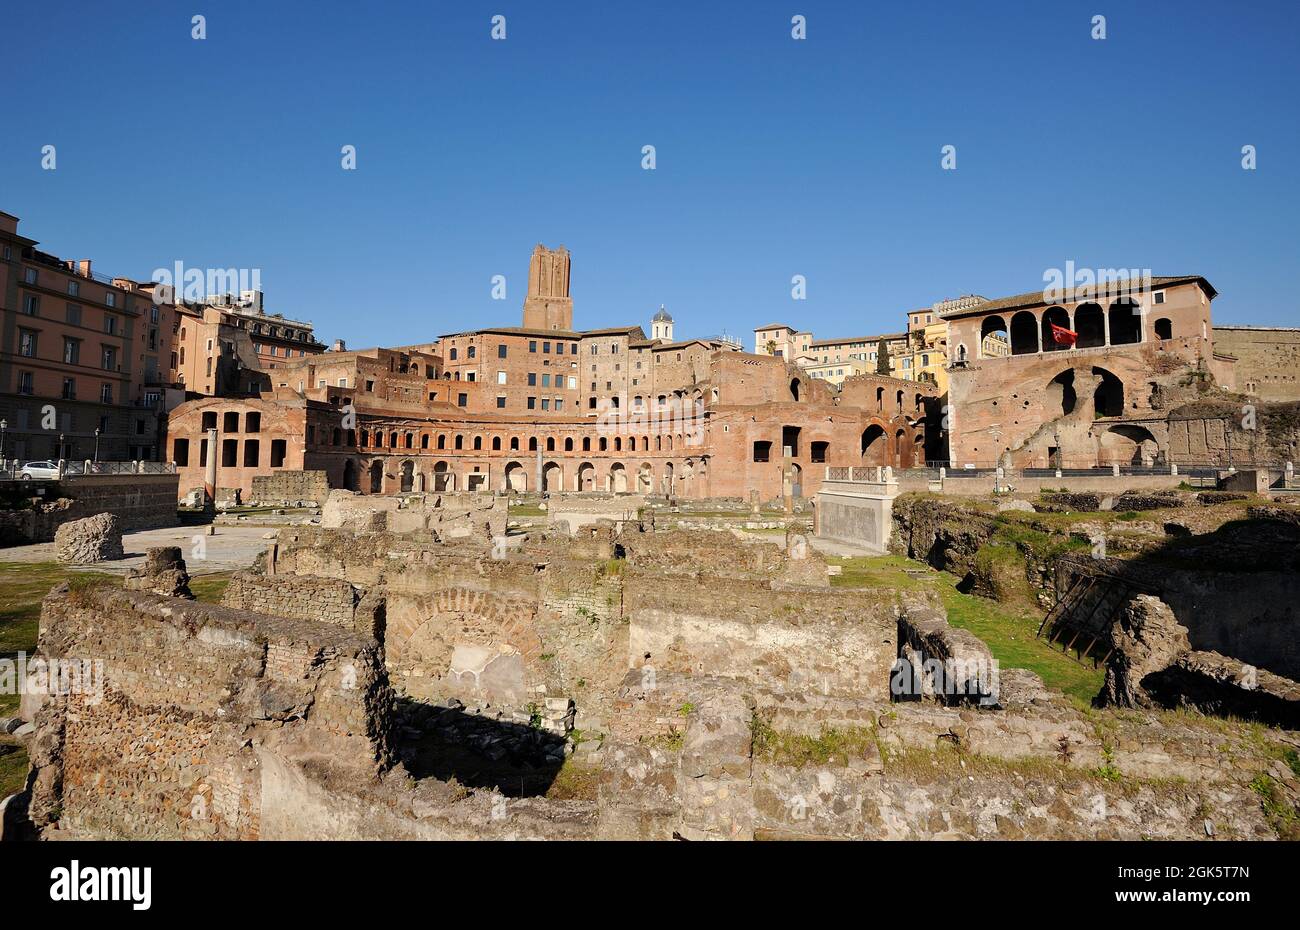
<point x="548" y="304"/>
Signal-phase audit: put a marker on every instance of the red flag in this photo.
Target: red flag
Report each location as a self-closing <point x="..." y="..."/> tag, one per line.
<point x="1062" y="336"/>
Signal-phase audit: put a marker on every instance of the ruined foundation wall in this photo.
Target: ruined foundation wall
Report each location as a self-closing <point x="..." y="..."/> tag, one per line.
<point x="830" y="642"/>
<point x="323" y="600"/>
<point x="191" y="695"/>
<point x="447" y="516"/>
<point x="290" y="486"/>
<point x="139" y="501"/>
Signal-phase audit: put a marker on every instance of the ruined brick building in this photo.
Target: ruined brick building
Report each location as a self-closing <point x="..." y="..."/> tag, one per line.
<point x="1140" y="353"/>
<point x="543" y="406"/>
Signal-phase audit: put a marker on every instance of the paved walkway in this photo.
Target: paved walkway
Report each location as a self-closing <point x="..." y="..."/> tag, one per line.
<point x="232" y="548"/>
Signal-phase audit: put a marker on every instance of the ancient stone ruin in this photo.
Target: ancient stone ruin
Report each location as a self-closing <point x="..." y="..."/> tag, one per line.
<point x="404" y="675"/>
<point x="163" y="573"/>
<point x="93" y="539"/>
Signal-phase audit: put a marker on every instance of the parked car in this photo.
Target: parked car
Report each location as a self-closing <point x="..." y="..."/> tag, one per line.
<point x="39" y="470"/>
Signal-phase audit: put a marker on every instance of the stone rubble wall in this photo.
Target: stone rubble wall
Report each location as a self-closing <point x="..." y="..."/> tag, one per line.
<point x="284" y="487"/>
<point x="219" y="722"/>
<point x="93" y="539"/>
<point x="191" y="694"/>
<point x="140" y="502"/>
<point x="163" y="573"/>
<point x="839" y="641"/>
<point x="446" y="516"/>
<point x="324" y="600"/>
<point x="941" y="662"/>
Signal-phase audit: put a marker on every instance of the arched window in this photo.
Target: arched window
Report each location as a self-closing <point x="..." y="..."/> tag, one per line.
<point x="1090" y="324"/>
<point x="1125" y="319"/>
<point x="1059" y="317"/>
<point x="995" y="341"/>
<point x="1024" y="333"/>
<point x="1164" y="328"/>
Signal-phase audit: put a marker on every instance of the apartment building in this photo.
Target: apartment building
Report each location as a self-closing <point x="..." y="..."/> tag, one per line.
<point x="85" y="359"/>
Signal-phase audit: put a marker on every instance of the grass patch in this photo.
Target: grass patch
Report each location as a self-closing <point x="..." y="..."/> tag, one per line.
<point x="829" y="747"/>
<point x="13" y="768"/>
<point x="574" y="782"/>
<point x="526" y="510"/>
<point x="880" y="571"/>
<point x="1282" y="816"/>
<point x="1008" y="631"/>
<point x="1009" y="634"/>
<point x="208" y="589"/>
<point x="672" y="741"/>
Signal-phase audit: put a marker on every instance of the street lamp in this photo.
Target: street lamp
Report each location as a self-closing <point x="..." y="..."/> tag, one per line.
<point x="4" y="424"/>
<point x="96" y="445"/>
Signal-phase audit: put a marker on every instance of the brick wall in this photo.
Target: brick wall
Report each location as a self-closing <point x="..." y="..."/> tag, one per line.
<point x="324" y="600"/>
<point x="279" y="487"/>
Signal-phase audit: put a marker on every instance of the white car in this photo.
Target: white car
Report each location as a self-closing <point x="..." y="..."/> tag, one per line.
<point x="39" y="470"/>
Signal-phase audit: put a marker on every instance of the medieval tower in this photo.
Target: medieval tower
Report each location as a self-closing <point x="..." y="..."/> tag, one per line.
<point x="548" y="304"/>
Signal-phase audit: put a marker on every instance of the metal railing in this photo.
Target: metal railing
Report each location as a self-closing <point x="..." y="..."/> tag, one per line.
<point x="13" y="470"/>
<point x="1202" y="475"/>
<point x="855" y="472"/>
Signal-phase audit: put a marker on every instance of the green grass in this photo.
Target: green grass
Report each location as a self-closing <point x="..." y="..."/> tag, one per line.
<point x="526" y="510"/>
<point x="13" y="770"/>
<point x="829" y="747"/>
<point x="22" y="586"/>
<point x="207" y="589"/>
<point x="575" y="782"/>
<point x="1008" y="632"/>
<point x="884" y="571"/>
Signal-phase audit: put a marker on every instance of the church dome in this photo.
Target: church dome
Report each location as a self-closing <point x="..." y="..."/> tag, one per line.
<point x="662" y="316"/>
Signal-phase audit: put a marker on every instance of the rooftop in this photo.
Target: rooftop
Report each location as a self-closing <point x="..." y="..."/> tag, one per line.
<point x="1107" y="288"/>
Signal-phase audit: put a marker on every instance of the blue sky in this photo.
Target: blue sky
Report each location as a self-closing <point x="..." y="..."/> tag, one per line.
<point x="775" y="157"/>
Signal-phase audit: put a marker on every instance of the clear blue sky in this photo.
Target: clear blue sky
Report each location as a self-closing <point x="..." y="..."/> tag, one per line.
<point x="775" y="157"/>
